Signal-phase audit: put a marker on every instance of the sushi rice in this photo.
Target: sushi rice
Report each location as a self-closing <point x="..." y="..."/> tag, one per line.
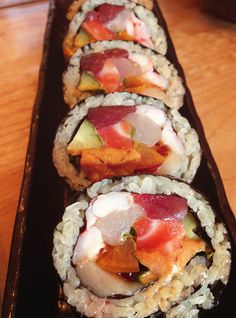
<point x="186" y="134"/>
<point x="180" y="294"/>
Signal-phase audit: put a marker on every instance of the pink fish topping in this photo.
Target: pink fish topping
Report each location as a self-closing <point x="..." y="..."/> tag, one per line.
<point x="104" y="13"/>
<point x="102" y="117"/>
<point x="94" y="62"/>
<point x="118" y="70"/>
<point x="162" y="207"/>
<point x="154" y="234"/>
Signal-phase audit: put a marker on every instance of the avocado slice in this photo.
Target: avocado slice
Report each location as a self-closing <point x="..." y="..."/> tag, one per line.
<point x="88" y="83"/>
<point x="190" y="224"/>
<point x="81" y="39"/>
<point x="86" y="137"/>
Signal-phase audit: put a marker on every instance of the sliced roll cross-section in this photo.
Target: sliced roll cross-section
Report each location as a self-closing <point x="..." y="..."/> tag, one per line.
<point x="115" y="66"/>
<point x="123" y="134"/>
<point x="138" y="245"/>
<point x="114" y="20"/>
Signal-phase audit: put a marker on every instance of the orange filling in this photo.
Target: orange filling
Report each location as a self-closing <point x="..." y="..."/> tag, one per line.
<point x="100" y="163"/>
<point x="98" y="32"/>
<point x="160" y="263"/>
<point x="135" y="84"/>
<point x="124" y="36"/>
<point x="119" y="259"/>
<point x="125" y="258"/>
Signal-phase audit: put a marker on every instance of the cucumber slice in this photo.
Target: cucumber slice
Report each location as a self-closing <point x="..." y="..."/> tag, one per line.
<point x="88" y="83"/>
<point x="82" y="39"/>
<point x="190" y="224"/>
<point x="86" y="137"/>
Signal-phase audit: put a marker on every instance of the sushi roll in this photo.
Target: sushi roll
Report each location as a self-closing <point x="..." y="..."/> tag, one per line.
<point x="140" y="245"/>
<point x="114" y="20"/>
<point x="110" y="66"/>
<point x="77" y="4"/>
<point x="122" y="134"/>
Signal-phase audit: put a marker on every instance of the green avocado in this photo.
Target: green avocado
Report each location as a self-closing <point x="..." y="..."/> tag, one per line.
<point x="82" y="39"/>
<point x="190" y="225"/>
<point x="88" y="83"/>
<point x="86" y="137"/>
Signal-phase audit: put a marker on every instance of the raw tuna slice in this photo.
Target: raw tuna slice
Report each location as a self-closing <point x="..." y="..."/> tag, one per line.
<point x="102" y="117"/>
<point x="162" y="207"/>
<point x="104" y="13"/>
<point x="155" y="234"/>
<point x="116" y="139"/>
<point x="97" y="30"/>
<point x="116" y="53"/>
<point x="94" y="62"/>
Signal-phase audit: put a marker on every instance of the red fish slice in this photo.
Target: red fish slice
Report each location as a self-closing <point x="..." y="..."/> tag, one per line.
<point x="102" y="116"/>
<point x="163" y="223"/>
<point x="116" y="53"/>
<point x="113" y="139"/>
<point x="94" y="62"/>
<point x="104" y="119"/>
<point x="154" y="234"/>
<point x="162" y="207"/>
<point x="104" y="13"/>
<point x="97" y="30"/>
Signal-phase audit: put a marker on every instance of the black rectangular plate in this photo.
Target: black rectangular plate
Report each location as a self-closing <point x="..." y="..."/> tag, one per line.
<point x="33" y="288"/>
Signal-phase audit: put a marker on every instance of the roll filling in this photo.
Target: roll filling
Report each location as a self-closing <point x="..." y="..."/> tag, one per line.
<point x="114" y="20"/>
<point x="122" y="134"/>
<point x="132" y="240"/>
<point x="114" y="66"/>
<point x="120" y="140"/>
<point x="118" y="70"/>
<point x="110" y="22"/>
<point x="140" y="245"/>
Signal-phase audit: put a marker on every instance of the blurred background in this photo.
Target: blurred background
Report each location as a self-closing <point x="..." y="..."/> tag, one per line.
<point x="206" y="47"/>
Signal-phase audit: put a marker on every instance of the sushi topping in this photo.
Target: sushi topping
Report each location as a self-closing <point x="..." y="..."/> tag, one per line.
<point x="112" y="258"/>
<point x="134" y="239"/>
<point x="104" y="162"/>
<point x="161" y="207"/>
<point x="155" y="234"/>
<point x="94" y="62"/>
<point x="104" y="13"/>
<point x="89" y="244"/>
<point x="119" y="70"/>
<point x="117" y="136"/>
<point x="111" y="22"/>
<point x="164" y="222"/>
<point x="114" y="141"/>
<point x="104" y="283"/>
<point x="102" y="117"/>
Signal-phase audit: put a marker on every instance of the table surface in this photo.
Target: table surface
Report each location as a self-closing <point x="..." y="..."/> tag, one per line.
<point x="206" y="48"/>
